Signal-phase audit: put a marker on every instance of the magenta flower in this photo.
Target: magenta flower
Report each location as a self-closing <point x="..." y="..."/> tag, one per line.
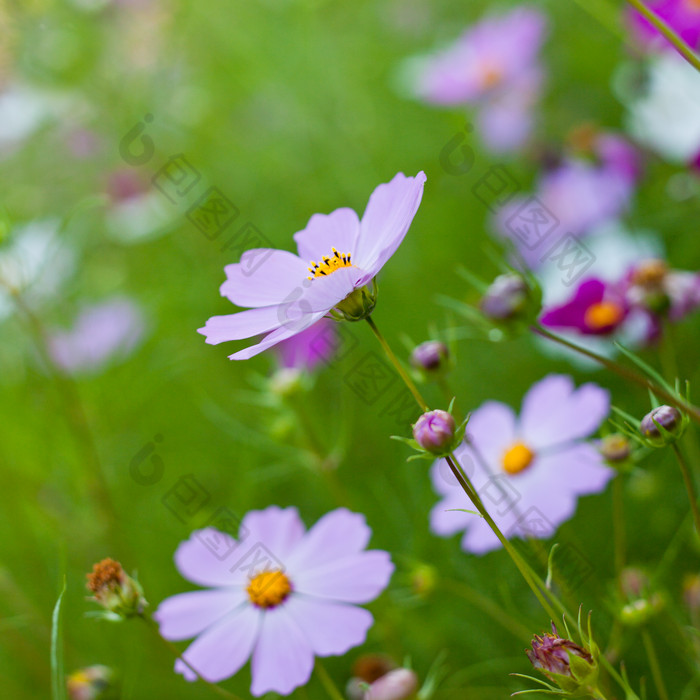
<point x="101" y="332"/>
<point x="528" y="471"/>
<point x="597" y="308"/>
<point x="683" y="16"/>
<point x="278" y="595"/>
<point x="338" y="256"/>
<point x="310" y="348"/>
<point x="495" y="66"/>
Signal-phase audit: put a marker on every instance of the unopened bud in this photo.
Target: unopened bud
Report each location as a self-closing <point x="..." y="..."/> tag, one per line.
<point x="424" y="579"/>
<point x="431" y="357"/>
<point x="434" y="431"/>
<point x="400" y="684"/>
<point x="115" y="590"/>
<point x="640" y="611"/>
<point x="615" y="449"/>
<point x="93" y="683"/>
<point x="506" y="298"/>
<point x="662" y="425"/>
<point x="633" y="582"/>
<point x="370" y="667"/>
<point x="691" y="592"/>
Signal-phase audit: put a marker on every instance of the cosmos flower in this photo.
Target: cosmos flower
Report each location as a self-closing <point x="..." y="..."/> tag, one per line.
<point x="100" y="333"/>
<point x="530" y="470"/>
<point x="338" y="256"/>
<point x="588" y="185"/>
<point x="596" y="308"/>
<point x="493" y="65"/>
<point x="683" y="16"/>
<point x="278" y="595"/>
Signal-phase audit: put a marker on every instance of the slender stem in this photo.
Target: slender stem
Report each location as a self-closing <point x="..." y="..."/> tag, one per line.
<point x="215" y="688"/>
<point x="624" y="372"/>
<point x="663" y="28"/>
<point x="327" y="682"/>
<point x="619" y="538"/>
<point x="654" y="665"/>
<point x="690" y="487"/>
<point x="398" y="366"/>
<point x="486" y="605"/>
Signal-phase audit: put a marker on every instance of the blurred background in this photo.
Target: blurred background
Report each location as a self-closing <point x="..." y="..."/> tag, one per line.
<point x="117" y="118"/>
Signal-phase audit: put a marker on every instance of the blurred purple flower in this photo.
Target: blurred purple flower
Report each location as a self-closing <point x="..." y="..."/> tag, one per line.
<point x="596" y="308"/>
<point x="310" y="348"/>
<point x="577" y="194"/>
<point x="100" y="333"/>
<point x="299" y="600"/>
<point x="528" y="471"/>
<point x="683" y="16"/>
<point x="290" y="293"/>
<point x="495" y="66"/>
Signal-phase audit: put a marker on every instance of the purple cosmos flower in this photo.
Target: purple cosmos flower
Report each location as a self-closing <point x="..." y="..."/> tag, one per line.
<point x="528" y="471"/>
<point x="338" y="256"/>
<point x="683" y="16"/>
<point x="278" y="594"/>
<point x="596" y="308"/>
<point x="574" y="196"/>
<point x="101" y="332"/>
<point x="308" y="349"/>
<point x="493" y="65"/>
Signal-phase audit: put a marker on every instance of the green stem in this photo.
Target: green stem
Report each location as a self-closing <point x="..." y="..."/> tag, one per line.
<point x="625" y="373"/>
<point x="618" y="527"/>
<point x="654" y="665"/>
<point x="663" y="28"/>
<point x="151" y="624"/>
<point x="690" y="487"/>
<point x="327" y="682"/>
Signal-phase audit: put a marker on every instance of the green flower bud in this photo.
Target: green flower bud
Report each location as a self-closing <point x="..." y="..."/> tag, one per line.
<point x="117" y="592"/>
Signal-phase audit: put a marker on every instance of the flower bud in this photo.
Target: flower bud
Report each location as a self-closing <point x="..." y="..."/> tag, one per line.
<point x="640" y="611"/>
<point x="395" y="685"/>
<point x="648" y="286"/>
<point x="615" y="449"/>
<point x="370" y="667"/>
<point x="116" y="591"/>
<point x="564" y="662"/>
<point x="506" y="298"/>
<point x="93" y="683"/>
<point x="423" y="580"/>
<point x="662" y="426"/>
<point x="431" y="357"/>
<point x="691" y="592"/>
<point x="434" y="431"/>
<point x="633" y="582"/>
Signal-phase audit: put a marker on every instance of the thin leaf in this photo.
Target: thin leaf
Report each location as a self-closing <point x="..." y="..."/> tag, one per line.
<point x="58" y="684"/>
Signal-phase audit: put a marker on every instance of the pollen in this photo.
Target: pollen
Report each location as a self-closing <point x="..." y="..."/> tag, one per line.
<point x="330" y="264"/>
<point x="605" y="314"/>
<point x="269" y="588"/>
<point x="517" y="457"/>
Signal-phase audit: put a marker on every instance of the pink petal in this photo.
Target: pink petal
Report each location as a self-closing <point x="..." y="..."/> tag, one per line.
<point x="330" y="628"/>
<point x="447" y="516"/>
<point x="264" y="283"/>
<point x="283" y="659"/>
<point x="578" y="469"/>
<point x="337" y="534"/>
<point x="220" y="652"/>
<point x="358" y="578"/>
<point x="186" y="615"/>
<point x="338" y="230"/>
<point x="491" y="430"/>
<point x="244" y="324"/>
<point x="554" y="412"/>
<point x="207" y="556"/>
<point x="276" y="529"/>
<point x="386" y="220"/>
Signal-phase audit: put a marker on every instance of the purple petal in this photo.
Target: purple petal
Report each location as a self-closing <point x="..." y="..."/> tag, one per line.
<point x="338" y="230"/>
<point x="244" y="324"/>
<point x="554" y="412"/>
<point x="283" y="659"/>
<point x="187" y="614"/>
<point x="386" y="220"/>
<point x="263" y="277"/>
<point x="311" y="347"/>
<point x="578" y="469"/>
<point x="205" y="558"/>
<point x="330" y="628"/>
<point x="220" y="652"/>
<point x="336" y="535"/>
<point x="491" y="430"/>
<point x="573" y="313"/>
<point x="447" y="516"/>
<point x="275" y="529"/>
<point x="358" y="578"/>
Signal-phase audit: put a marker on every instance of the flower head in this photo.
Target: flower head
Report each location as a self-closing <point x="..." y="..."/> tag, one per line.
<point x="278" y="595"/>
<point x="116" y="591"/>
<point x="435" y="432"/>
<point x="528" y="470"/>
<point x="432" y="357"/>
<point x="338" y="256"/>
<point x="663" y="425"/>
<point x="93" y="683"/>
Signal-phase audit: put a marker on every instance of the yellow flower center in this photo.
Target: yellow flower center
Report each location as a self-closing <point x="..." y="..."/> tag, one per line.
<point x="693" y="5"/>
<point x="491" y="76"/>
<point x="603" y="314"/>
<point x="329" y="265"/>
<point x="517" y="457"/>
<point x="268" y="589"/>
